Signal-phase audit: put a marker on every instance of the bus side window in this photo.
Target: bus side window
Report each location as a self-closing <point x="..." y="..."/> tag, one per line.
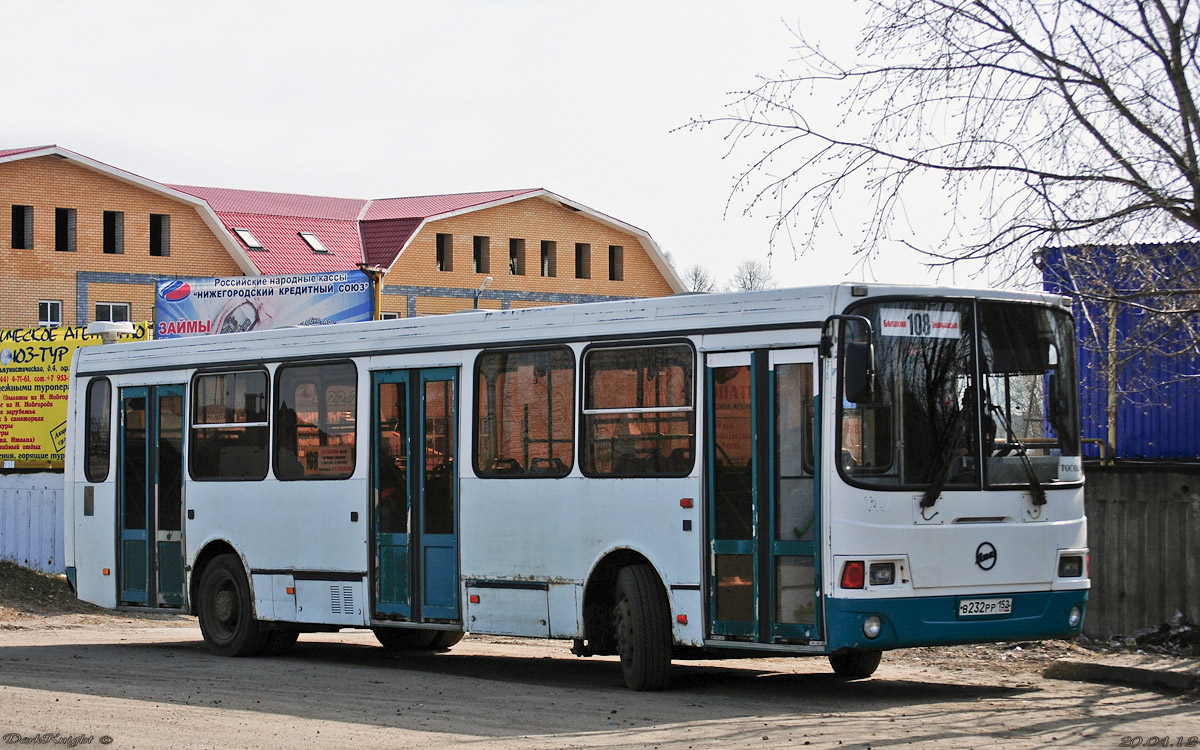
<point x="638" y="415"/>
<point x="315" y="413"/>
<point x="229" y="426"/>
<point x="525" y="413"/>
<point x="97" y="435"/>
<point x="866" y="439"/>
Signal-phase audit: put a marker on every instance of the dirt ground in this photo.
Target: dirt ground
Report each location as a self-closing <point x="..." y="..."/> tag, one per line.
<point x="31" y="600"/>
<point x="70" y="673"/>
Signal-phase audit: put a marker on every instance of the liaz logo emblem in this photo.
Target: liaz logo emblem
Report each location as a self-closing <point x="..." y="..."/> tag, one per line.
<point x="173" y="291"/>
<point x="985" y="556"/>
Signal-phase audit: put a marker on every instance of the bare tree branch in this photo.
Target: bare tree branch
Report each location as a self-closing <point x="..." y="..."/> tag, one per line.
<point x="1073" y="121"/>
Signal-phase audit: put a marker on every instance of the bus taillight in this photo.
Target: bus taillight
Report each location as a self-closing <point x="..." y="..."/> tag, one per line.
<point x="853" y="574"/>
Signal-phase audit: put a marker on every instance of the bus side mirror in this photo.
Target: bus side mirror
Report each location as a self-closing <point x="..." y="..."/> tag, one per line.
<point x="859" y="375"/>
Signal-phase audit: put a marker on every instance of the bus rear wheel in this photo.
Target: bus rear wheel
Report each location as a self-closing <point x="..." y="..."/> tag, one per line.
<point x="404" y="639"/>
<point x="226" y="611"/>
<point x="853" y="663"/>
<point x="446" y="639"/>
<point x="641" y="618"/>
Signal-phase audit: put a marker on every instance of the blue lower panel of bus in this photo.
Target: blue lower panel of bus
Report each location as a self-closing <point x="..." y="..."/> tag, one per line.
<point x="935" y="621"/>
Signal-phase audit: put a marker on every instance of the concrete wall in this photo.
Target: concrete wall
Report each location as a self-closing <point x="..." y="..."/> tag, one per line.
<point x="31" y="520"/>
<point x="1144" y="536"/>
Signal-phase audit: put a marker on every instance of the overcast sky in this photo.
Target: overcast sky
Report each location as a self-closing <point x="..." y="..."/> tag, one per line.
<point x="382" y="99"/>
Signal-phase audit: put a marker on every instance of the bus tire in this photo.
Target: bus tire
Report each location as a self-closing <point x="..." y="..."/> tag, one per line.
<point x="404" y="639"/>
<point x="226" y="611"/>
<point x="444" y="640"/>
<point x="853" y="663"/>
<point x="280" y="642"/>
<point x="641" y="618"/>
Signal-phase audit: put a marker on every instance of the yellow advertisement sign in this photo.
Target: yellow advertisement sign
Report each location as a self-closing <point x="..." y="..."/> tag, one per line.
<point x="35" y="365"/>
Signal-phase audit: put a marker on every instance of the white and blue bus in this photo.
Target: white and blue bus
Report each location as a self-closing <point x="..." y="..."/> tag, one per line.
<point x="833" y="471"/>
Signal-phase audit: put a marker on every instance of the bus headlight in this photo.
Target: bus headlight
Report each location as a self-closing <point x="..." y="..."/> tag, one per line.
<point x="1070" y="566"/>
<point x="1075" y="617"/>
<point x="872" y="626"/>
<point x="882" y="574"/>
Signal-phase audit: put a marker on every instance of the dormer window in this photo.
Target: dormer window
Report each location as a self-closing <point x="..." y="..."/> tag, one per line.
<point x="313" y="242"/>
<point x="248" y="239"/>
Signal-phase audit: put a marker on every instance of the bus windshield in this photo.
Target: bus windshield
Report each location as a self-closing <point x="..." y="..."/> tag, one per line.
<point x="966" y="395"/>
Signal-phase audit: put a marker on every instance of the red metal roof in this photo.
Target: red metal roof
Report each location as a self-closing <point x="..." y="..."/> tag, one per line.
<point x="426" y="206"/>
<point x="226" y="200"/>
<point x="285" y="252"/>
<point x="15" y="151"/>
<point x="383" y="240"/>
<point x="276" y="219"/>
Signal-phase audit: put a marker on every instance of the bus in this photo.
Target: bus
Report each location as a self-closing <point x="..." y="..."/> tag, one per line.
<point x="834" y="471"/>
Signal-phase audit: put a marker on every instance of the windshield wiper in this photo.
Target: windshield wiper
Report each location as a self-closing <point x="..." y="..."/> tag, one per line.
<point x="1035" y="486"/>
<point x="939" y="481"/>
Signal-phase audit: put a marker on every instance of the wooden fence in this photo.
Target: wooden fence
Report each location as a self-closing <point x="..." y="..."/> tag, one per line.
<point x="1144" y="536"/>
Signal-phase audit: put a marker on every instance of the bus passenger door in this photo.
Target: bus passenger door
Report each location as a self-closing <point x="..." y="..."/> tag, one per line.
<point x="151" y="491"/>
<point x="415" y="496"/>
<point x="391" y="495"/>
<point x="762" y="495"/>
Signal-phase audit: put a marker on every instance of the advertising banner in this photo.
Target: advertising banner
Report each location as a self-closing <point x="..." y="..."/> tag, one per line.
<point x="35" y="366"/>
<point x="198" y="307"/>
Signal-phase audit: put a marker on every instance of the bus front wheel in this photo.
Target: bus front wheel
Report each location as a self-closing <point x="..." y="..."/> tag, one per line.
<point x="226" y="610"/>
<point x="279" y="642"/>
<point x="853" y="663"/>
<point x="641" y="618"/>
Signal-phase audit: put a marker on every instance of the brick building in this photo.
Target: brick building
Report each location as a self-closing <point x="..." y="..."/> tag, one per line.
<point x="88" y="241"/>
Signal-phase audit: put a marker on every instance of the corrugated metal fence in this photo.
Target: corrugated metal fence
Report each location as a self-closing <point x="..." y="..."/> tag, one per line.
<point x="31" y="520"/>
<point x="1144" y="536"/>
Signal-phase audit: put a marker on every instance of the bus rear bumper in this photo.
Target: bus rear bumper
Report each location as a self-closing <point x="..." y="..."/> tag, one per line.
<point x="937" y="621"/>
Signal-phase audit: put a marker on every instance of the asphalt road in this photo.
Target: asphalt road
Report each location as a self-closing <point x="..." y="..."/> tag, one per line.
<point x="144" y="685"/>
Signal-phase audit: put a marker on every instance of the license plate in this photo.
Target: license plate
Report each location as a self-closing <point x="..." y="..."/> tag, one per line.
<point x="984" y="607"/>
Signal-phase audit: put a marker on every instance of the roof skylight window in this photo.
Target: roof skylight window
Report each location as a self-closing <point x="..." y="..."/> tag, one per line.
<point x="313" y="242"/>
<point x="248" y="239"/>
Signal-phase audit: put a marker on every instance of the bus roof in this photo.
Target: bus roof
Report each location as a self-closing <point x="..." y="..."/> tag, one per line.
<point x="677" y="315"/>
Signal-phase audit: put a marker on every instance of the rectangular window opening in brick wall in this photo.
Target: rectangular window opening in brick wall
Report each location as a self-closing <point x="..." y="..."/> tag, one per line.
<point x="116" y="312"/>
<point x="583" y="260"/>
<point x="160" y="235"/>
<point x="22" y="227"/>
<point x="64" y="230"/>
<point x="482" y="247"/>
<point x="516" y="256"/>
<point x="445" y="252"/>
<point x="549" y="262"/>
<point x="616" y="263"/>
<point x="49" y="313"/>
<point x="114" y="232"/>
